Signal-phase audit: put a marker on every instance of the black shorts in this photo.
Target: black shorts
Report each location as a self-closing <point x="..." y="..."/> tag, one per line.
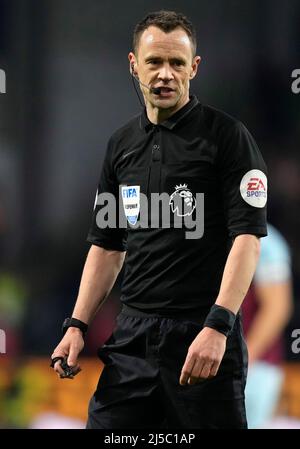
<point x="139" y="385"/>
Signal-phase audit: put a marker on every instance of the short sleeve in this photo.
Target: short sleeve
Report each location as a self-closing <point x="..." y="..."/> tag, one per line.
<point x="105" y="230"/>
<point x="243" y="182"/>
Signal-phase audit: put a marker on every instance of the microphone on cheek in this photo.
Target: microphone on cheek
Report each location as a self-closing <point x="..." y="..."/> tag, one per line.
<point x="154" y="90"/>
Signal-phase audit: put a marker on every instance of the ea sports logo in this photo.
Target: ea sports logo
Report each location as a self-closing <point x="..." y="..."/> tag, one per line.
<point x="182" y="201"/>
<point x="254" y="188"/>
<point x="255" y="184"/>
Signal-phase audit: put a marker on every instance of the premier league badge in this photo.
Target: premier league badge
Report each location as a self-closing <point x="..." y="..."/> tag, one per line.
<point x="182" y="201"/>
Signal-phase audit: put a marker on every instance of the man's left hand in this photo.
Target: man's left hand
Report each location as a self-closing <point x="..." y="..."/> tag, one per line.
<point x="204" y="356"/>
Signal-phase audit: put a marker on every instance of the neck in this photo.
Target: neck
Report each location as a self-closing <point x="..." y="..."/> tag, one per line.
<point x="157" y="115"/>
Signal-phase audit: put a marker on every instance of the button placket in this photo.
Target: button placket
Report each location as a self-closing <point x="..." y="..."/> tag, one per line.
<point x="154" y="178"/>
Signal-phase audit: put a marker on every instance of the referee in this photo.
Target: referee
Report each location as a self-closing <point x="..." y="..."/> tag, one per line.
<point x="177" y="357"/>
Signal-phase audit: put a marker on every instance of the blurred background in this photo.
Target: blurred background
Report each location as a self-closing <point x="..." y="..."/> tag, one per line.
<point x="67" y="89"/>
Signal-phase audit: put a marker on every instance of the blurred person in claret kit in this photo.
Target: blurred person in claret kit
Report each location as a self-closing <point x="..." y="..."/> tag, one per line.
<point x="177" y="357"/>
<point x="265" y="312"/>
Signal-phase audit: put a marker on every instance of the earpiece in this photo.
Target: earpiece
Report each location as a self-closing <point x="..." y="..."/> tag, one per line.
<point x="132" y="68"/>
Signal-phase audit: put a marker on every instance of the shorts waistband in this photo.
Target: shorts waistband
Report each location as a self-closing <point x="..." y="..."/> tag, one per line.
<point x="197" y="315"/>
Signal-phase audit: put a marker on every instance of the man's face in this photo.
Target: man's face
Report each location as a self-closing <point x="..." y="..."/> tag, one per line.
<point x="165" y="60"/>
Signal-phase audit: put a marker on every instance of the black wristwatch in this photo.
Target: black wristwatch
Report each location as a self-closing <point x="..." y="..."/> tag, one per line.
<point x="73" y="322"/>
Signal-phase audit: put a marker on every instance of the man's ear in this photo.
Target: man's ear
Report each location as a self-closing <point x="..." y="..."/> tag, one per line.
<point x="132" y="61"/>
<point x="195" y="65"/>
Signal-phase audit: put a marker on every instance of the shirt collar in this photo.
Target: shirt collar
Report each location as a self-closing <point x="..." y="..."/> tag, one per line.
<point x="171" y="121"/>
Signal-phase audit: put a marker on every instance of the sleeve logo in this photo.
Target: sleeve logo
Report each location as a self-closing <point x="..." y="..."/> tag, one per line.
<point x="254" y="187"/>
<point x="131" y="203"/>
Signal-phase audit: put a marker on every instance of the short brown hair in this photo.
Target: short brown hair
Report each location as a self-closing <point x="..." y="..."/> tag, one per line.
<point x="167" y="21"/>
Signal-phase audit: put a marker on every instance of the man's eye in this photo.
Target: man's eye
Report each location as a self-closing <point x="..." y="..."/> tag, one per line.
<point x="153" y="62"/>
<point x="178" y="63"/>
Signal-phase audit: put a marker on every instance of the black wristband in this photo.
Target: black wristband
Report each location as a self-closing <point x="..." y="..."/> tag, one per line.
<point x="73" y="322"/>
<point x="220" y="319"/>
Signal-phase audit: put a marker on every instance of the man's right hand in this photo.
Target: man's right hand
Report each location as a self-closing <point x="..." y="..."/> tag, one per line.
<point x="70" y="346"/>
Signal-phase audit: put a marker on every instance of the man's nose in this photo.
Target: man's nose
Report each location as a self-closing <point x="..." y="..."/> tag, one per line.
<point x="165" y="73"/>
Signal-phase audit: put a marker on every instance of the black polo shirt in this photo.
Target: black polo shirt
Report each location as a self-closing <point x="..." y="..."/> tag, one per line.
<point x="202" y="158"/>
